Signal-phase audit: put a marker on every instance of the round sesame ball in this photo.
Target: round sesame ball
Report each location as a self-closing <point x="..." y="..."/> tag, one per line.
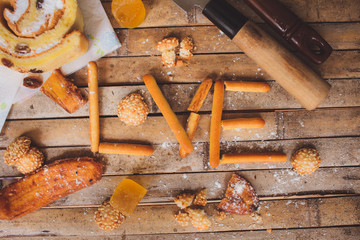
<point x="31" y="161"/>
<point x="132" y="109"/>
<point x="18" y="148"/>
<point x="306" y="161"/>
<point x="107" y="217"/>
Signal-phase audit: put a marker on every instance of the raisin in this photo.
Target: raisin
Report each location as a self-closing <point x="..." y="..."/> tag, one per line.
<point x="7" y="62"/>
<point x="22" y="48"/>
<point x="39" y="4"/>
<point x="32" y="82"/>
<point x="34" y="70"/>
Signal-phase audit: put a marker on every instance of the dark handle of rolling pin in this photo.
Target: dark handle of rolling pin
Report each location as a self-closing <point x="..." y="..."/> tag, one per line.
<point x="292" y="29"/>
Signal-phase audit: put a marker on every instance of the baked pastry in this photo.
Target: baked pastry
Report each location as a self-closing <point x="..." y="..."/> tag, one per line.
<point x="240" y="197"/>
<point x="167" y="47"/>
<point x="186" y="48"/>
<point x="184" y="200"/>
<point x="200" y="198"/>
<point x="306" y="161"/>
<point x="132" y="109"/>
<point x="25" y="157"/>
<point x="55" y="27"/>
<point x="107" y="217"/>
<point x="46" y="185"/>
<point x="198" y="219"/>
<point x="182" y="218"/>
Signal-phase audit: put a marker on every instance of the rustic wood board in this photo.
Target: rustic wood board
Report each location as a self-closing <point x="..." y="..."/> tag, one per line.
<point x="324" y="205"/>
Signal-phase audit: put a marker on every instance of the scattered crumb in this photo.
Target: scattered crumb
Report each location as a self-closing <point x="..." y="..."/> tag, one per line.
<point x="220" y="215"/>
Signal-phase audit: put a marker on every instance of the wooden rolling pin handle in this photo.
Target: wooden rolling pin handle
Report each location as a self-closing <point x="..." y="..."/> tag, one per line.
<point x="290" y="72"/>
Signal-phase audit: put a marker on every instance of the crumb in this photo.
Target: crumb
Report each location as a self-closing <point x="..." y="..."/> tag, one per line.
<point x="269" y="230"/>
<point x="200" y="199"/>
<point x="108" y="218"/>
<point x="179" y="63"/>
<point x="186" y="48"/>
<point x="184" y="200"/>
<point x="221" y="215"/>
<point x="182" y="218"/>
<point x="256" y="217"/>
<point x="198" y="219"/>
<point x="132" y="109"/>
<point x="306" y="161"/>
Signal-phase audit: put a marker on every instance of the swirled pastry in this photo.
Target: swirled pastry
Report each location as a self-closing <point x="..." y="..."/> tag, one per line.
<point x="44" y="35"/>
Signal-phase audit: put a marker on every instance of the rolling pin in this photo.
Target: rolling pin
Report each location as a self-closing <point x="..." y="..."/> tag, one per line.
<point x="291" y="73"/>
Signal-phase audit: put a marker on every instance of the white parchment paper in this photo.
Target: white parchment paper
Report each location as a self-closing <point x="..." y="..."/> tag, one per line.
<point x="103" y="41"/>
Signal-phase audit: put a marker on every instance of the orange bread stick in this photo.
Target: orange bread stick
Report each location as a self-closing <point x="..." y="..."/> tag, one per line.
<point x="247" y="86"/>
<point x="200" y="95"/>
<point x="94" y="106"/>
<point x="168" y="113"/>
<point x="126" y="148"/>
<point x="252" y="157"/>
<point x="243" y="123"/>
<point x="215" y="126"/>
<point x="191" y="126"/>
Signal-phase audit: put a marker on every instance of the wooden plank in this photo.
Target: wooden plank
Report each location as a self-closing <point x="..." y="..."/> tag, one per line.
<point x="342" y="94"/>
<point x="330" y="233"/>
<point x="268" y="183"/>
<point x="279" y="125"/>
<point x="313" y="11"/>
<point x="275" y="214"/>
<point x="334" y="152"/>
<point x="129" y="70"/>
<point x="209" y="39"/>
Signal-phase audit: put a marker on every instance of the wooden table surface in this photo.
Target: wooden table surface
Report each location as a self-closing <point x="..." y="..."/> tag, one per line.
<point x="324" y="205"/>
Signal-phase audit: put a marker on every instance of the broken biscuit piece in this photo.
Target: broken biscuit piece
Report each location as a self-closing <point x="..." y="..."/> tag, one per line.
<point x="167" y="47"/>
<point x="182" y="218"/>
<point x="240" y="197"/>
<point x="200" y="198"/>
<point x="186" y="48"/>
<point x="198" y="219"/>
<point x="107" y="217"/>
<point x="184" y="200"/>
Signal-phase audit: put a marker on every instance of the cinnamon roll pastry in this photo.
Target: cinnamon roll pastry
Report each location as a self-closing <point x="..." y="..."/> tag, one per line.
<point x="40" y="35"/>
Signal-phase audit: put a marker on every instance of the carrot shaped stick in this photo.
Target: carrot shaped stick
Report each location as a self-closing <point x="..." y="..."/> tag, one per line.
<point x="215" y="126"/>
<point x="126" y="148"/>
<point x="168" y="113"/>
<point x="94" y="106"/>
<point x="200" y="95"/>
<point x="252" y="158"/>
<point x="191" y="126"/>
<point x="243" y="123"/>
<point x="247" y="86"/>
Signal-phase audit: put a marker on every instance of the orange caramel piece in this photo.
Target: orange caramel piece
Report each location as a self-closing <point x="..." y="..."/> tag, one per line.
<point x="126" y="197"/>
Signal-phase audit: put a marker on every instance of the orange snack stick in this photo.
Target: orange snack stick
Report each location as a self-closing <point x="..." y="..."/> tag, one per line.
<point x="168" y="113"/>
<point x="243" y="123"/>
<point x="94" y="106"/>
<point x="200" y="95"/>
<point x="252" y="158"/>
<point x="247" y="86"/>
<point x="126" y="148"/>
<point x="63" y="92"/>
<point x="127" y="196"/>
<point x="215" y="126"/>
<point x="191" y="126"/>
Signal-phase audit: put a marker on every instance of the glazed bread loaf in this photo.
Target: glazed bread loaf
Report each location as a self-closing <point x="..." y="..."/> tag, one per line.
<point x="45" y="34"/>
<point x="46" y="185"/>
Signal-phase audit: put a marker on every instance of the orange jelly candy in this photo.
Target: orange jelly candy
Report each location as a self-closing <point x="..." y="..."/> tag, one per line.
<point x="127" y="196"/>
<point x="129" y="13"/>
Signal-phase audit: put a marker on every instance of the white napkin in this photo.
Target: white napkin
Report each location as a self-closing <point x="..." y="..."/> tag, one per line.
<point x="103" y="41"/>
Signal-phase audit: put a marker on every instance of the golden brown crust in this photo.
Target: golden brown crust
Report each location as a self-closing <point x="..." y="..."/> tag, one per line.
<point x="107" y="217"/>
<point x="200" y="198"/>
<point x="186" y="48"/>
<point x="17" y="149"/>
<point x="132" y="109"/>
<point x="306" y="161"/>
<point x="46" y="185"/>
<point x="31" y="161"/>
<point x="182" y="218"/>
<point x="167" y="47"/>
<point x="184" y="200"/>
<point x="198" y="219"/>
<point x="240" y="197"/>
